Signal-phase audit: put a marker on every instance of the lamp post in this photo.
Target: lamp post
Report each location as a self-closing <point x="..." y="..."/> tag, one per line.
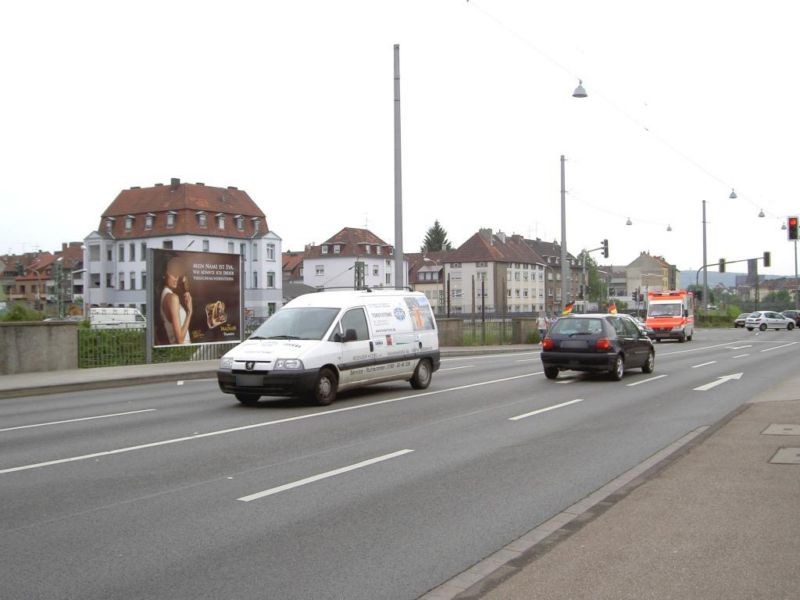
<point x="705" y="260"/>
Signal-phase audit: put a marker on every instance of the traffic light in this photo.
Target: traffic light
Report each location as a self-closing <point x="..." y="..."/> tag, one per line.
<point x="721" y="265"/>
<point x="767" y="259"/>
<point x="605" y="242"/>
<point x="634" y="295"/>
<point x="641" y="297"/>
<point x="792" y="222"/>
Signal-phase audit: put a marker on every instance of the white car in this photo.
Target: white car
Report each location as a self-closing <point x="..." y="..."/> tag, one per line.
<point x="767" y="319"/>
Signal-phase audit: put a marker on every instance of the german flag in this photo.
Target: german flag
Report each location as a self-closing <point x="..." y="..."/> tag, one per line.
<point x="567" y="309"/>
<point x="612" y="308"/>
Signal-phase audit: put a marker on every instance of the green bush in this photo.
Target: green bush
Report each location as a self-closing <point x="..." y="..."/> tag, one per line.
<point x="20" y="312"/>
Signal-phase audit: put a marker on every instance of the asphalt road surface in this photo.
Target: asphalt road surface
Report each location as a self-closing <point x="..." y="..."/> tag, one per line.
<point x="177" y="491"/>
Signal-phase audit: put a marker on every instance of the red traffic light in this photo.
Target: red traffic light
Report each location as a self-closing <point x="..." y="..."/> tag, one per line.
<point x="792" y="228"/>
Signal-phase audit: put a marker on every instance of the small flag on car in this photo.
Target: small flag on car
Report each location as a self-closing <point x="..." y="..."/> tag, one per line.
<point x="612" y="308"/>
<point x="567" y="309"/>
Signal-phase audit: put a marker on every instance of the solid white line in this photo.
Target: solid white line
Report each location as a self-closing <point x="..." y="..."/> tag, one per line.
<point x="312" y="479"/>
<point x="527" y="359"/>
<point x="132" y="412"/>
<point x="542" y="410"/>
<point x="660" y="354"/>
<point x="776" y="347"/>
<point x="256" y="425"/>
<point x="456" y="368"/>
<point x="494" y="355"/>
<point x="705" y="364"/>
<point x="740" y="355"/>
<point x="740" y="347"/>
<point x="635" y="383"/>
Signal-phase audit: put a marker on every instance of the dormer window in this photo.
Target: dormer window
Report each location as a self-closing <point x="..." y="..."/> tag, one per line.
<point x="148" y="221"/>
<point x="202" y="218"/>
<point x="256" y="224"/>
<point x="171" y="218"/>
<point x="109" y="224"/>
<point x="378" y="250"/>
<point x="129" y="222"/>
<point x="220" y="221"/>
<point x="367" y="248"/>
<point x="239" y="222"/>
<point x="337" y="249"/>
<point x="324" y="249"/>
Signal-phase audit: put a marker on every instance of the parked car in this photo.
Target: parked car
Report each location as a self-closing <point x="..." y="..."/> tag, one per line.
<point x="793" y="314"/>
<point x="740" y="320"/>
<point x="597" y="342"/>
<point x="767" y="319"/>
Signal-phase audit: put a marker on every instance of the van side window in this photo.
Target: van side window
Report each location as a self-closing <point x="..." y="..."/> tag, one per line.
<point x="356" y="319"/>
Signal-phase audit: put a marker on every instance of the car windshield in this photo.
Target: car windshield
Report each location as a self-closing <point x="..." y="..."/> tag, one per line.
<point x="296" y="324"/>
<point x="571" y="327"/>
<point x="664" y="310"/>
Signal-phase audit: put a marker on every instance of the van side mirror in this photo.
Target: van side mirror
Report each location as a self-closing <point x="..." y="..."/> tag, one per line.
<point x="337" y="337"/>
<point x="350" y="335"/>
<point x="685" y="312"/>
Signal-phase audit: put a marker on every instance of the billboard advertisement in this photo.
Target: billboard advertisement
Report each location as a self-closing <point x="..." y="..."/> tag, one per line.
<point x="195" y="297"/>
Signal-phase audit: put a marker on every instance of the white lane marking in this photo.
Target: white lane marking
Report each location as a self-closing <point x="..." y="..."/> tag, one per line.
<point x="313" y="478"/>
<point x="122" y="414"/>
<point x="776" y="347"/>
<point x="741" y="355"/>
<point x="740" y="347"/>
<point x="179" y="382"/>
<point x="635" y="383"/>
<point x="257" y="425"/>
<point x="483" y="356"/>
<point x="705" y="364"/>
<point x="713" y="384"/>
<point x="543" y="410"/>
<point x="693" y="349"/>
<point x="456" y="368"/>
<point x="566" y="381"/>
<point x="527" y="359"/>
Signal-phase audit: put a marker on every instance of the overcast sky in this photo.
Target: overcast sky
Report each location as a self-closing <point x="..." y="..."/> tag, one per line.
<point x="292" y="101"/>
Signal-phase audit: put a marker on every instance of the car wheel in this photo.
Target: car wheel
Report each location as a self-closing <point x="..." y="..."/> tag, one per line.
<point x="650" y="363"/>
<point x="551" y="372"/>
<point x="749" y="329"/>
<point x="682" y="339"/>
<point x="789" y="326"/>
<point x="688" y="338"/>
<point x="324" y="391"/>
<point x="618" y="370"/>
<point x="762" y="327"/>
<point x="422" y="375"/>
<point x="248" y="399"/>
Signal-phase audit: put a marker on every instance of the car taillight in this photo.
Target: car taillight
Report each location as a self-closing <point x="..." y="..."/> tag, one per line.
<point x="602" y="344"/>
<point x="548" y="344"/>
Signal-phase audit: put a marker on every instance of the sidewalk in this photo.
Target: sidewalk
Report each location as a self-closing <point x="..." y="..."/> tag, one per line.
<point x="717" y="520"/>
<point x="51" y="382"/>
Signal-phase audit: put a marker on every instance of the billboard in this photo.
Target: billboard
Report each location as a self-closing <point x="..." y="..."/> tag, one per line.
<point x="194" y="297"/>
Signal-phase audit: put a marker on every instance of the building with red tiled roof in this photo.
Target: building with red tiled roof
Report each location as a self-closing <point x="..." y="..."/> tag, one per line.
<point x="292" y="266"/>
<point x="426" y="275"/>
<point x="180" y="216"/>
<point x="507" y="275"/>
<point x="44" y="280"/>
<point x="336" y="263"/>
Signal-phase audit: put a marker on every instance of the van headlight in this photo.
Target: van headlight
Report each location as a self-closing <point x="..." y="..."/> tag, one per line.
<point x="288" y="364"/>
<point x="226" y="363"/>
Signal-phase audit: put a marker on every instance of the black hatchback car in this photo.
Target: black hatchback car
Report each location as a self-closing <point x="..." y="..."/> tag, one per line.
<point x="597" y="342"/>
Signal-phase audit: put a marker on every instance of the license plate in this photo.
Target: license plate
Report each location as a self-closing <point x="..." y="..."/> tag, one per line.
<point x="573" y="345"/>
<point x="249" y="380"/>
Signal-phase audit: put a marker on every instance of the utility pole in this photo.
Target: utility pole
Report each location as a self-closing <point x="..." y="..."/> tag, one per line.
<point x="705" y="261"/>
<point x="398" y="179"/>
<point x="564" y="264"/>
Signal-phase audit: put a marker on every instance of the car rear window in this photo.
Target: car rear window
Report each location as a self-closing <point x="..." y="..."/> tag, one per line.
<point x="578" y="326"/>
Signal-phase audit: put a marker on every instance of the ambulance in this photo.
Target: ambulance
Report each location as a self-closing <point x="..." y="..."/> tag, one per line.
<point x="322" y="343"/>
<point x="670" y="315"/>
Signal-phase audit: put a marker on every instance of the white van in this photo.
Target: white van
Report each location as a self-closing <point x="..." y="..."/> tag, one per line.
<point x="323" y="342"/>
<point x="116" y="318"/>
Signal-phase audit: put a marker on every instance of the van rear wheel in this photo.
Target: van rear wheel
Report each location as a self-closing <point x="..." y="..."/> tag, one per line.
<point x="324" y="391"/>
<point x="248" y="399"/>
<point x="422" y="375"/>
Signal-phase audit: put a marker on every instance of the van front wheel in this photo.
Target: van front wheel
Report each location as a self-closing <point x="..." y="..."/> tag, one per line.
<point x="324" y="391"/>
<point x="422" y="375"/>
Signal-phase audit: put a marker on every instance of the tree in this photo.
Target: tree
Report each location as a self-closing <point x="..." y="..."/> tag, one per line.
<point x="436" y="239"/>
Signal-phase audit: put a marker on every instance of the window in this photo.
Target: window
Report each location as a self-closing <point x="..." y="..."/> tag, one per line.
<point x="356" y="320"/>
<point x="94" y="252"/>
<point x="525" y="276"/>
<point x="109" y="280"/>
<point x="144" y="280"/>
<point x="375" y="271"/>
<point x="121" y="281"/>
<point x="171" y="219"/>
<point x="128" y="223"/>
<point x="133" y="280"/>
<point x="270" y="251"/>
<point x="167" y="244"/>
<point x="270" y="279"/>
<point x="143" y="251"/>
<point x="367" y="248"/>
<point x="255" y="251"/>
<point x="256" y="223"/>
<point x="239" y="222"/>
<point x="324" y="249"/>
<point x="121" y="253"/>
<point x="230" y="247"/>
<point x="516" y="293"/>
<point x="205" y="245"/>
<point x="202" y="219"/>
<point x="481" y="264"/>
<point x="270" y="309"/>
<point x="319" y="270"/>
<point x="337" y="249"/>
<point x="109" y="224"/>
<point x="516" y="276"/>
<point x="378" y="250"/>
<point x="243" y="250"/>
<point x="220" y="221"/>
<point x="132" y="251"/>
<point x="525" y="293"/>
<point x="148" y="221"/>
<point x="388" y="279"/>
<point x="255" y="279"/>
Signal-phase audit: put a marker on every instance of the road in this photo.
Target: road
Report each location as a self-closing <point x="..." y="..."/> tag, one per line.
<point x="176" y="491"/>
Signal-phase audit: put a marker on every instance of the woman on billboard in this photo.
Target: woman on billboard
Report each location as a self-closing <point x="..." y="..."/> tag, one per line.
<point x="176" y="302"/>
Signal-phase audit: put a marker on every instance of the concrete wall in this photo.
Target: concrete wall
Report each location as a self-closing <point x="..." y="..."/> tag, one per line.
<point x="451" y="332"/>
<point x="30" y="346"/>
<point x="522" y="328"/>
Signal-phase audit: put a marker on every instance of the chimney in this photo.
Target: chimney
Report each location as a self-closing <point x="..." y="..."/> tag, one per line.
<point x="501" y="236"/>
<point x="486" y="234"/>
<point x="174" y="183"/>
<point x="63" y="246"/>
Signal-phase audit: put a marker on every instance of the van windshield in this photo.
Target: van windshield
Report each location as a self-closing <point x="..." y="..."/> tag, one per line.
<point x="665" y="310"/>
<point x="296" y="324"/>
